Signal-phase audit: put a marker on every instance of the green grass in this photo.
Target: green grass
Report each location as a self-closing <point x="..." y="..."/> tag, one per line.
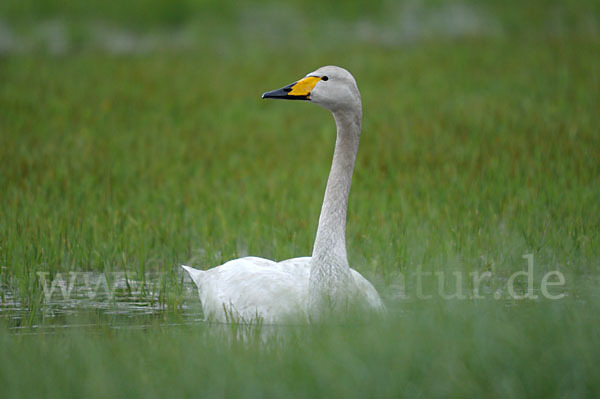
<point x="437" y="349"/>
<point x="475" y="150"/>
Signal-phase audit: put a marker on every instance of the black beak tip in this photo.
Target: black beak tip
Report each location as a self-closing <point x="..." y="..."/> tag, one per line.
<point x="283" y="94"/>
<point x="273" y="94"/>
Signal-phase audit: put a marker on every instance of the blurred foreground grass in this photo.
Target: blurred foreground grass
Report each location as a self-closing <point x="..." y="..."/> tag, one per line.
<point x="477" y="148"/>
<point x="438" y="349"/>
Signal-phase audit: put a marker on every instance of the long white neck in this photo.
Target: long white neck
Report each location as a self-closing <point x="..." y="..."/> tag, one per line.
<point x="329" y="258"/>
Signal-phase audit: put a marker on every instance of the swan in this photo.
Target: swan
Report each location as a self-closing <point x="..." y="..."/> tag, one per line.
<point x="308" y="288"/>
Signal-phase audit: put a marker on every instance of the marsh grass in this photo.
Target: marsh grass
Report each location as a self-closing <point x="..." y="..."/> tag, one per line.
<point x="141" y="164"/>
<point x="438" y="349"/>
<point x="475" y="151"/>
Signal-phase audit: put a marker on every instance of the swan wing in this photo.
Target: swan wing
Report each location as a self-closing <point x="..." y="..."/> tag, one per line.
<point x="368" y="292"/>
<point x="251" y="289"/>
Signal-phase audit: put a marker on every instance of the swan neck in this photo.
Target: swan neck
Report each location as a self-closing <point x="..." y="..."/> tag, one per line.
<point x="330" y="242"/>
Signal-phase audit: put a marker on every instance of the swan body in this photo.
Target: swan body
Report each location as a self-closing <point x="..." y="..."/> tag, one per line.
<point x="249" y="288"/>
<point x="308" y="288"/>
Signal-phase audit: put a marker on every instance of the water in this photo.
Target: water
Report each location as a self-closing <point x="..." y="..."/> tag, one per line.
<point x="113" y="300"/>
<point x="87" y="300"/>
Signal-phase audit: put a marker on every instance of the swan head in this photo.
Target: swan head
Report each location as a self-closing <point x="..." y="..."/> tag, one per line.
<point x="331" y="87"/>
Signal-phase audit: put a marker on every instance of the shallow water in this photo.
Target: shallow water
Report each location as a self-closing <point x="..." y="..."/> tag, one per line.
<point x="92" y="300"/>
<point x="96" y="300"/>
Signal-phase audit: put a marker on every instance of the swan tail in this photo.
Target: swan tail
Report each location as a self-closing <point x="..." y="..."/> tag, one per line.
<point x="195" y="274"/>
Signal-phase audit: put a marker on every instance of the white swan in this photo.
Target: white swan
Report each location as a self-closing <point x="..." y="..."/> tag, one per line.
<point x="251" y="288"/>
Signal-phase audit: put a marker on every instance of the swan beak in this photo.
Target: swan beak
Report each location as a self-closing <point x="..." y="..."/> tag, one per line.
<point x="299" y="90"/>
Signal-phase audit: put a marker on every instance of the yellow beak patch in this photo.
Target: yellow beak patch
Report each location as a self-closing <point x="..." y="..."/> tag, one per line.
<point x="304" y="86"/>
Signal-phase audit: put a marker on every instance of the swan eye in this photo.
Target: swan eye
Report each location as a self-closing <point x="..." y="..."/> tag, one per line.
<point x="325" y="78"/>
